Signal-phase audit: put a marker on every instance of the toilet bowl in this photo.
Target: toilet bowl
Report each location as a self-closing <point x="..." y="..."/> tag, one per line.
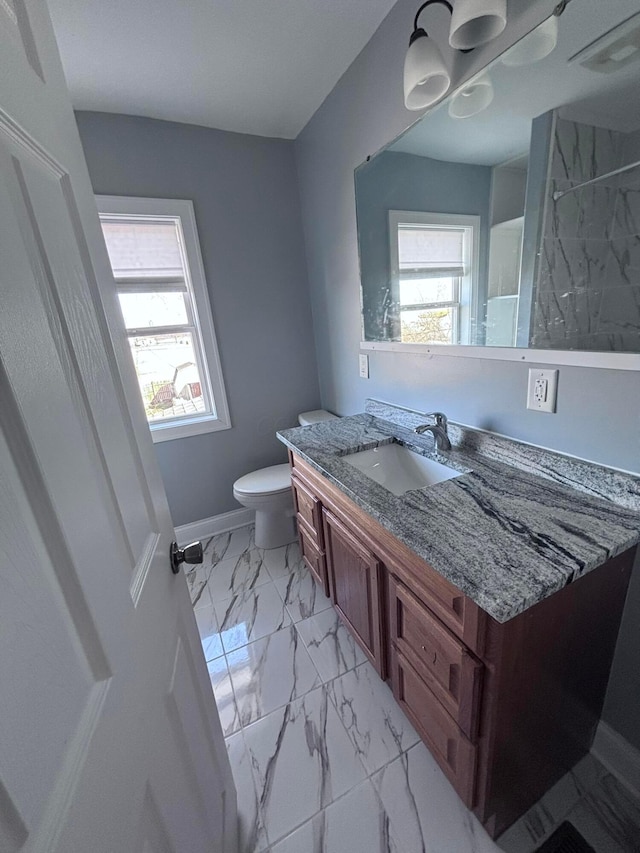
<point x="268" y="492"/>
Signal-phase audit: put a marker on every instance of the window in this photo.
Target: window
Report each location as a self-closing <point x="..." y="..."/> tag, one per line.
<point x="155" y="257"/>
<point x="433" y="270"/>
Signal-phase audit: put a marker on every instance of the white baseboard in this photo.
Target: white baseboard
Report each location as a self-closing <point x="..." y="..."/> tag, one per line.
<point x="618" y="756"/>
<point x="207" y="527"/>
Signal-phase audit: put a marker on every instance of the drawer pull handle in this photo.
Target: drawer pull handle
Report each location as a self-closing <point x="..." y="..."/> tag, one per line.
<point x="435" y="654"/>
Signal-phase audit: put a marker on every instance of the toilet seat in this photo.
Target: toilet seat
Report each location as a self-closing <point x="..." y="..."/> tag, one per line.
<point x="265" y="481"/>
<point x="317" y="416"/>
<point x="267" y="492"/>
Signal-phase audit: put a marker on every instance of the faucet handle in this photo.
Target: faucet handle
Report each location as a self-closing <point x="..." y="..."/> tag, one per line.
<point x="440" y="419"/>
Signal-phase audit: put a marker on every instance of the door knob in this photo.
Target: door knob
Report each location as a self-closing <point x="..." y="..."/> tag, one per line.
<point x="189" y="554"/>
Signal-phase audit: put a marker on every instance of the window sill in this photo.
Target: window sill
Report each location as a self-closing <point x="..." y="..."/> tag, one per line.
<point x="187" y="428"/>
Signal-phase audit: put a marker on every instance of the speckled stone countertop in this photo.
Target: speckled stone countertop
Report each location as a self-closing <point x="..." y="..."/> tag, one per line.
<point x="519" y="525"/>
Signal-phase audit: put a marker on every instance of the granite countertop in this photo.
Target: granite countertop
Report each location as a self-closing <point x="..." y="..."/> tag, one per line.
<point x="519" y="525"/>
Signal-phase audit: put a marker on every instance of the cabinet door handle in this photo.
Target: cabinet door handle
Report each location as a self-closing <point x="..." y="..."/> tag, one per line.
<point x="435" y="654"/>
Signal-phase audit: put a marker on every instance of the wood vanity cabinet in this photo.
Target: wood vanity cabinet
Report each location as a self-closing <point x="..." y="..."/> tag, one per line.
<point x="309" y="518"/>
<point x="355" y="578"/>
<point x="505" y="709"/>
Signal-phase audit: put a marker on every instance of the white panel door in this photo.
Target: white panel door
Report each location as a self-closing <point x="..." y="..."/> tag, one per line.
<point x="109" y="736"/>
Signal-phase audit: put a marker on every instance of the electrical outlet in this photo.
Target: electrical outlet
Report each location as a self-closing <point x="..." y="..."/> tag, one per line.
<point x="540" y="390"/>
<point x="364" y="366"/>
<point x="543" y="390"/>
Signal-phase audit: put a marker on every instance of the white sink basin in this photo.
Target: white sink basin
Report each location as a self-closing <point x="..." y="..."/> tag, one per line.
<point x="399" y="469"/>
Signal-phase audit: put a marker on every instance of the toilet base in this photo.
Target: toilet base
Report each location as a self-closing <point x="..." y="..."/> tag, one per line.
<point x="274" y="529"/>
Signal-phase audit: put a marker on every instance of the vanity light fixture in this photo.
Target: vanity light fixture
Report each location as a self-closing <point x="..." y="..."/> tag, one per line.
<point x="535" y="45"/>
<point x="473" y="22"/>
<point x="472" y="99"/>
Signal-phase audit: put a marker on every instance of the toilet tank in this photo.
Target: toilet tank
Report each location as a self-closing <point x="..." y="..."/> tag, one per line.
<point x="315" y="417"/>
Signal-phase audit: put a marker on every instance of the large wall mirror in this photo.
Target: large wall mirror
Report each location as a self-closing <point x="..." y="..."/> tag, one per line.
<point x="509" y="215"/>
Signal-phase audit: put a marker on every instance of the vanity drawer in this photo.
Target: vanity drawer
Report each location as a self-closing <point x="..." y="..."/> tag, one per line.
<point x="308" y="509"/>
<point x="448" y="745"/>
<point x="444" y="663"/>
<point x="313" y="557"/>
<point x="449" y="604"/>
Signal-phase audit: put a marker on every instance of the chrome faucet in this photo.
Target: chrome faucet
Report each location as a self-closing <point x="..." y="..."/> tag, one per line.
<point x="437" y="429"/>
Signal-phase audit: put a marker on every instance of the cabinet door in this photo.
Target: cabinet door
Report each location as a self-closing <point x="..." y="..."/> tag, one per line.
<point x="308" y="510"/>
<point x="448" y="745"/>
<point x="313" y="558"/>
<point x="354" y="582"/>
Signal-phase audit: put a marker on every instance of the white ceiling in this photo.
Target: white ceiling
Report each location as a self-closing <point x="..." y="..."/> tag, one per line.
<point x="242" y="65"/>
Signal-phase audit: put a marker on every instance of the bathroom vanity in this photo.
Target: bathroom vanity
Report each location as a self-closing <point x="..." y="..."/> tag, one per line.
<point x="490" y="602"/>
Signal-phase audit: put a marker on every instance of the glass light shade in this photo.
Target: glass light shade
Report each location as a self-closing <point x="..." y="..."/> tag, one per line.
<point x="534" y="46"/>
<point x="476" y="22"/>
<point x="472" y="99"/>
<point x="426" y="78"/>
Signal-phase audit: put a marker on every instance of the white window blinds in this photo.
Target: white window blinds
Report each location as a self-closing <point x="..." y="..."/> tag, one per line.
<point x="430" y="251"/>
<point x="140" y="249"/>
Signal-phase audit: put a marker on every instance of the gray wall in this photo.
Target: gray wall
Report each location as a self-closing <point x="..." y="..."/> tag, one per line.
<point x="247" y="211"/>
<point x="598" y="410"/>
<point x="397" y="181"/>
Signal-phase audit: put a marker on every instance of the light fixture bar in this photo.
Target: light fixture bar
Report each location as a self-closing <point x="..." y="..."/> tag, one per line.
<point x="417" y="31"/>
<point x="560" y="8"/>
<point x="558" y="194"/>
<point x="424" y="6"/>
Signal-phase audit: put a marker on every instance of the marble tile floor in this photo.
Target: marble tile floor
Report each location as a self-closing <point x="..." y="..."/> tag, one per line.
<point x="323" y="759"/>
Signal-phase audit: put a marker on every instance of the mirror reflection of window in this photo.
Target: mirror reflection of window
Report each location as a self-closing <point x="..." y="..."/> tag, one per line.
<point x="433" y="275"/>
<point x="551" y="166"/>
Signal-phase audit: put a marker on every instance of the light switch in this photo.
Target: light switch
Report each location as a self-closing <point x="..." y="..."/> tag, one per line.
<point x="543" y="390"/>
<point x="364" y="366"/>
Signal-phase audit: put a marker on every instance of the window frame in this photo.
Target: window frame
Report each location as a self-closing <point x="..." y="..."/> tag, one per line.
<point x="201" y="326"/>
<point x="466" y="308"/>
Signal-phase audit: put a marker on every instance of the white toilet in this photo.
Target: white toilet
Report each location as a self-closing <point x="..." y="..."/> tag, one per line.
<point x="268" y="492"/>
